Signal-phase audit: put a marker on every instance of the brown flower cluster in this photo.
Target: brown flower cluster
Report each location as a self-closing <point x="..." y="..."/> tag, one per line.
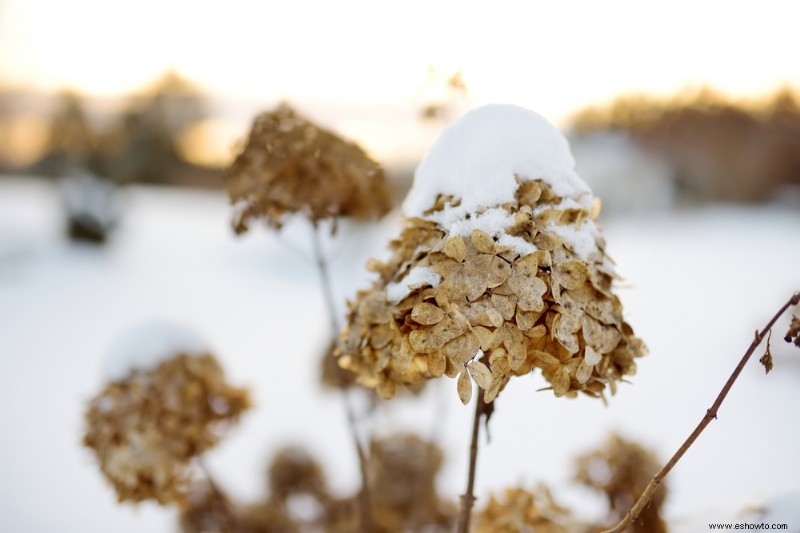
<point x="524" y="510"/>
<point x="290" y="165"/>
<point x="402" y="474"/>
<point x="621" y="469"/>
<point x="793" y="334"/>
<point x="484" y="311"/>
<point x="147" y="428"/>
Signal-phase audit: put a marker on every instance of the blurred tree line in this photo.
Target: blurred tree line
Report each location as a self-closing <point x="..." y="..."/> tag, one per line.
<point x="719" y="149"/>
<point x="140" y="143"/>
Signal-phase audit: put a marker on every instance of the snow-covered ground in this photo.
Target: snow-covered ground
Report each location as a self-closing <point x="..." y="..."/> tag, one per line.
<point x="698" y="284"/>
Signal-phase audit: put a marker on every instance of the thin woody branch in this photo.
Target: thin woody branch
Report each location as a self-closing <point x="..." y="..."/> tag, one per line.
<point x="711" y="414"/>
<point x="468" y="498"/>
<point x="364" y="500"/>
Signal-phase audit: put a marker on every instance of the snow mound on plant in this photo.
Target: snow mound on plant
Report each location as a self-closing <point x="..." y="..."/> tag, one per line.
<point x="479" y="158"/>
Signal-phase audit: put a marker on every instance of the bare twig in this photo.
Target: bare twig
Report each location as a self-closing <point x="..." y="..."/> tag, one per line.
<point x="364" y="500"/>
<point x="325" y="279"/>
<point x="225" y="509"/>
<point x="468" y="498"/>
<point x="711" y="414"/>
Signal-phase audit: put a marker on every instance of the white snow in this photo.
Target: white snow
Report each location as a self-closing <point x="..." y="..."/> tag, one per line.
<point x="396" y="291"/>
<point x="148" y="344"/>
<point x="581" y="239"/>
<point x="479" y="157"/>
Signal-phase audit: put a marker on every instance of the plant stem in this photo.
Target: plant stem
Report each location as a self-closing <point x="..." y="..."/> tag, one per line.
<point x="364" y="499"/>
<point x="468" y="498"/>
<point x="221" y="498"/>
<point x="325" y="279"/>
<point x="711" y="414"/>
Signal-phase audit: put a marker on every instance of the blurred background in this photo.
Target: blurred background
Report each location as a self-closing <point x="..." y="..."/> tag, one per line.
<point x="117" y="120"/>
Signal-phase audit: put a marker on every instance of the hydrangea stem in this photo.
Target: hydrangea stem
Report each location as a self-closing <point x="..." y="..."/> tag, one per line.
<point x="711" y="414"/>
<point x="468" y="498"/>
<point x="227" y="515"/>
<point x="364" y="500"/>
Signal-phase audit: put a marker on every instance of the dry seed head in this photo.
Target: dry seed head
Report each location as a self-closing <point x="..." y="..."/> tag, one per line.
<point x="294" y="471"/>
<point x="290" y="165"/>
<point x="794" y="331"/>
<point x="500" y="261"/>
<point x="146" y="428"/>
<point x="520" y="509"/>
<point x="552" y="310"/>
<point x="402" y="471"/>
<point x="621" y="469"/>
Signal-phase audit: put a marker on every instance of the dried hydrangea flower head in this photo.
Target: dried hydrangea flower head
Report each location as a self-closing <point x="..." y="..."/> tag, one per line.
<point x="621" y="469"/>
<point x="166" y="402"/>
<point x="402" y="471"/>
<point x="290" y="165"/>
<point x="294" y="471"/>
<point x="793" y="334"/>
<point x="500" y="268"/>
<point x="206" y="509"/>
<point x="523" y="510"/>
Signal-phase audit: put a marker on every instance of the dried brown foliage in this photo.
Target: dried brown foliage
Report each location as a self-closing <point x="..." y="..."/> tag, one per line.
<point x="793" y="334"/>
<point x="290" y="165"/>
<point x="210" y="511"/>
<point x="621" y="470"/>
<point x="332" y="375"/>
<point x="206" y="509"/>
<point x="550" y="309"/>
<point x="294" y="471"/>
<point x="403" y="470"/>
<point x="402" y="478"/>
<point x="147" y="428"/>
<point x="523" y="510"/>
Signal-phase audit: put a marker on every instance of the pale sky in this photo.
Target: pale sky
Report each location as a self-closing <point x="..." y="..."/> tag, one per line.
<point x="551" y="56"/>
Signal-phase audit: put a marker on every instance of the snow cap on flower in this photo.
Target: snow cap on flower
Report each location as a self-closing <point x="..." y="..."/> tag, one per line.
<point x="290" y="165"/>
<point x="158" y="412"/>
<point x="500" y="269"/>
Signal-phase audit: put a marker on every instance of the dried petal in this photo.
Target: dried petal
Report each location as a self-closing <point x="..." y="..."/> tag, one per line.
<point x="591" y="357"/>
<point x="526" y="320"/>
<point x="499" y="271"/>
<point x="424" y="340"/>
<point x="515" y="344"/>
<point x="560" y="381"/>
<point x="481" y="374"/>
<point x="584" y="372"/>
<point x="462" y="348"/>
<point x="565" y="327"/>
<point x="485" y="336"/>
<point x="571" y="274"/>
<point x="464" y="387"/>
<point x="529" y="193"/>
<point x="483" y="313"/>
<point x="526" y="286"/>
<point x="505" y="305"/>
<point x="387" y="389"/>
<point x="436" y="364"/>
<point x="455" y="248"/>
<point x="547" y="241"/>
<point x="427" y="314"/>
<point x="374" y="309"/>
<point x="482" y="242"/>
